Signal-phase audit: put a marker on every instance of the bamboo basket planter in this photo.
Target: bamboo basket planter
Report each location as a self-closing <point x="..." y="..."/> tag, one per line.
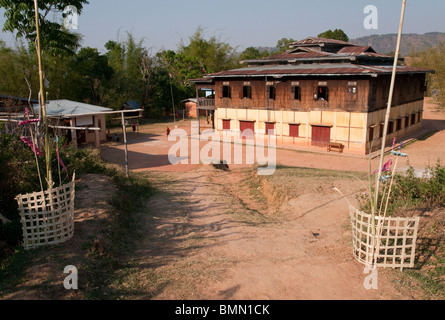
<point x="47" y="217"/>
<point x="392" y="246"/>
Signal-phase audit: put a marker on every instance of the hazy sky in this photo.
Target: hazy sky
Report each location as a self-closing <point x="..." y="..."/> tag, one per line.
<point x="245" y="23"/>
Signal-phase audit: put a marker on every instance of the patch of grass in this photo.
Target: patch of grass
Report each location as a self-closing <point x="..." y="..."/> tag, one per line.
<point x="293" y="182"/>
<point x="12" y="268"/>
<point x="105" y="272"/>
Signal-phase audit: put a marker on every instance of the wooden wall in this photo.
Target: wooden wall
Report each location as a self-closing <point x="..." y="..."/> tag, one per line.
<point x="339" y="99"/>
<point x="372" y="93"/>
<point x="408" y="88"/>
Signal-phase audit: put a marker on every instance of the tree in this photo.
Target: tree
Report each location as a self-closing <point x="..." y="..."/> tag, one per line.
<point x="434" y="59"/>
<point x="133" y="67"/>
<point x="17" y="67"/>
<point x="20" y="17"/>
<point x="213" y="54"/>
<point x="253" y="53"/>
<point x="337" y="34"/>
<point x="88" y="72"/>
<point x="283" y="45"/>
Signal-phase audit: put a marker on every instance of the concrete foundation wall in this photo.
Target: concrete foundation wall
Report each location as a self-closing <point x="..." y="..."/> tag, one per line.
<point x="352" y="129"/>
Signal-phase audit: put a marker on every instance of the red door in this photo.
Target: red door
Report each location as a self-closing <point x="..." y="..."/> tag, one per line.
<point x="226" y="124"/>
<point x="269" y="128"/>
<point x="247" y="129"/>
<point x="321" y="136"/>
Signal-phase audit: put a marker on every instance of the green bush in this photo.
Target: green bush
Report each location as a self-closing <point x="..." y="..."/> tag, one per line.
<point x="427" y="191"/>
<point x="410" y="191"/>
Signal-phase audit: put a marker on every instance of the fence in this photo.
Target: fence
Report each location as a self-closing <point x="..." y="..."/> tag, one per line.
<point x="47" y="217"/>
<point x="391" y="245"/>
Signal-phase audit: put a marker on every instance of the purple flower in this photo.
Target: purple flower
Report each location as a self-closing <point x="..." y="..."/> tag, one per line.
<point x="28" y="121"/>
<point x="34" y="148"/>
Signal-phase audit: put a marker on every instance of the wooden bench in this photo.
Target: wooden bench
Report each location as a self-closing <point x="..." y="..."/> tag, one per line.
<point x="333" y="145"/>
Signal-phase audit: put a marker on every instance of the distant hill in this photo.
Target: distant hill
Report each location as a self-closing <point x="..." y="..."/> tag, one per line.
<point x="387" y="43"/>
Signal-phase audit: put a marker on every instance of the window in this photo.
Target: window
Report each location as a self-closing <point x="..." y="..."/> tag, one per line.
<point x="294" y="130"/>
<point x="352" y="90"/>
<point x="382" y="130"/>
<point x="297" y="93"/>
<point x="413" y="119"/>
<point x="406" y="122"/>
<point x="352" y="93"/>
<point x="247" y="92"/>
<point x="322" y="94"/>
<point x="399" y="125"/>
<point x="270" y="128"/>
<point x="226" y="92"/>
<point x="391" y="127"/>
<point x="272" y="93"/>
<point x="226" y="124"/>
<point x="371" y="134"/>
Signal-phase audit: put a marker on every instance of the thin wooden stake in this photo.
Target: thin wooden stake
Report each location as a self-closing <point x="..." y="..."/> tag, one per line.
<point x="42" y="98"/>
<point x="388" y="111"/>
<point x="126" y="148"/>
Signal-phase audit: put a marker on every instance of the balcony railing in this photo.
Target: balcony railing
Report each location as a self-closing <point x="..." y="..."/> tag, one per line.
<point x="204" y="102"/>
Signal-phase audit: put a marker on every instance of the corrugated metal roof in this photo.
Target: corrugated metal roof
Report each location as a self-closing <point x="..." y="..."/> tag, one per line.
<point x="320" y="41"/>
<point x="356" y="50"/>
<point x="312" y="69"/>
<point x="132" y="104"/>
<point x="67" y="108"/>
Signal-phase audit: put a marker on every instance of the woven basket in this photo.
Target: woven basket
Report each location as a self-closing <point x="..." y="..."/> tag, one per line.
<point x="47" y="217"/>
<point x="392" y="246"/>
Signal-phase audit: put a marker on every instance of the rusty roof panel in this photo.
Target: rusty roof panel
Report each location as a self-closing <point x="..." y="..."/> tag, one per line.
<point x="316" y="41"/>
<point x="328" y="69"/>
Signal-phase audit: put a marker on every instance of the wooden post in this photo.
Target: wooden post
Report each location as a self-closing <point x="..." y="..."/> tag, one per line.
<point x="73" y="132"/>
<point x="126" y="148"/>
<point x="198" y="112"/>
<point x="96" y="133"/>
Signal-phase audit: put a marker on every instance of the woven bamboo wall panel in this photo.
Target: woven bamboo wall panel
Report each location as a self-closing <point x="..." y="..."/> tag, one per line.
<point x="47" y="217"/>
<point x="392" y="245"/>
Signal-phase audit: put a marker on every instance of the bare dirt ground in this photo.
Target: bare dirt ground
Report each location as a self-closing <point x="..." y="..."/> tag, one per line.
<point x="214" y="234"/>
<point x="212" y="240"/>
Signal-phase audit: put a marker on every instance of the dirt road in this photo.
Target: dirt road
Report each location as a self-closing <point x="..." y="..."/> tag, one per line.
<point x="211" y="240"/>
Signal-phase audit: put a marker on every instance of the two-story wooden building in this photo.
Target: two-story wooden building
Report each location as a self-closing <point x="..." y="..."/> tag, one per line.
<point x="319" y="91"/>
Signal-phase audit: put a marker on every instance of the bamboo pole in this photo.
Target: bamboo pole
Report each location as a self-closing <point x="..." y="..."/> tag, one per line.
<point x="127" y="171"/>
<point x="42" y="98"/>
<point x="388" y="112"/>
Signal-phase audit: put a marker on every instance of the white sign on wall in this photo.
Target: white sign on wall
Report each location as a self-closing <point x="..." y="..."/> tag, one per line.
<point x="84" y="121"/>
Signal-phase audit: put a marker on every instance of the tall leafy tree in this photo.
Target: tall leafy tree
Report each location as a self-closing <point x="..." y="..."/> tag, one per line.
<point x="253" y="53"/>
<point x="88" y="73"/>
<point x="283" y="45"/>
<point x="213" y="54"/>
<point x="20" y="18"/>
<point x="17" y="70"/>
<point x="132" y="66"/>
<point x="434" y="59"/>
